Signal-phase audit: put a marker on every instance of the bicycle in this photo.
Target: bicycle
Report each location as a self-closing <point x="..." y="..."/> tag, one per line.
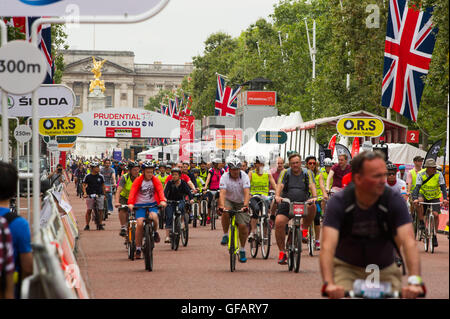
<point x="262" y="236"/>
<point x="294" y="234"/>
<point x="162" y="217"/>
<point x="415" y="219"/>
<point x="381" y="291"/>
<point x="213" y="209"/>
<point x="179" y="229"/>
<point x="203" y="210"/>
<point x="233" y="238"/>
<point x="96" y="217"/>
<point x="430" y="227"/>
<point x="130" y="238"/>
<point x="149" y="238"/>
<point x="196" y="210"/>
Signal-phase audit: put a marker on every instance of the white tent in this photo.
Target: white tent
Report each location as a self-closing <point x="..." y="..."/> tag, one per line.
<point x="301" y="142"/>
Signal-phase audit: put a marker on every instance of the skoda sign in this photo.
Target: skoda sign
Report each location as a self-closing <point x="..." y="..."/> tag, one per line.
<point x="53" y="100"/>
<point x="360" y="126"/>
<point x="70" y="8"/>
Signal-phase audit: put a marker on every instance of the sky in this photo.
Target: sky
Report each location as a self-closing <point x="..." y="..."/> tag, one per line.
<point x="177" y="33"/>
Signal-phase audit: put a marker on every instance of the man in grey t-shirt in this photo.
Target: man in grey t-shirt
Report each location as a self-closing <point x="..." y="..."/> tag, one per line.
<point x="109" y="176"/>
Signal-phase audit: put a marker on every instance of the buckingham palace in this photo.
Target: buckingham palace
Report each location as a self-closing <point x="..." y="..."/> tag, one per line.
<point x="127" y="84"/>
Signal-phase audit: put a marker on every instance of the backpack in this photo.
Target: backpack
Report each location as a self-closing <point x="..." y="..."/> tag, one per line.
<point x="305" y="180"/>
<point x="384" y="219"/>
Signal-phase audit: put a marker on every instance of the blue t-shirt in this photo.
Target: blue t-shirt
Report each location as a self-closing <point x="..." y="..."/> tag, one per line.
<point x="21" y="235"/>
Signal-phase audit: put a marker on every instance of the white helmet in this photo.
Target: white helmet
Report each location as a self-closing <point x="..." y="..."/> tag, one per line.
<point x="260" y="159"/>
<point x="327" y="162"/>
<point x="217" y="160"/>
<point x="234" y="162"/>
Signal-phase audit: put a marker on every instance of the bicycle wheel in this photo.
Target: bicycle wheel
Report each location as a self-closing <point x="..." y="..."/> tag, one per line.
<point x="311" y="239"/>
<point x="254" y="244"/>
<point x="147" y="247"/>
<point x="185" y="231"/>
<point x="176" y="234"/>
<point x="132" y="241"/>
<point x="297" y="248"/>
<point x="213" y="215"/>
<point x="431" y="232"/>
<point x="265" y="238"/>
<point x="232" y="249"/>
<point x="415" y="219"/>
<point x="161" y="218"/>
<point x="426" y="237"/>
<point x="204" y="211"/>
<point x="195" y="207"/>
<point x="290" y="250"/>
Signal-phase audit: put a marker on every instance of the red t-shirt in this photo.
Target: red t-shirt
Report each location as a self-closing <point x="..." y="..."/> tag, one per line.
<point x="184" y="177"/>
<point x="339" y="174"/>
<point x="347" y="179"/>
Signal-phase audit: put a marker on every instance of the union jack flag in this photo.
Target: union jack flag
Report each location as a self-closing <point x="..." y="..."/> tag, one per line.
<point x="173" y="110"/>
<point x="409" y="45"/>
<point x="44" y="39"/>
<point x="226" y="98"/>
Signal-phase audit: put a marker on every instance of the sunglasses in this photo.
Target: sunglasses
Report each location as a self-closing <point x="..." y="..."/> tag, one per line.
<point x="391" y="173"/>
<point x="312" y="163"/>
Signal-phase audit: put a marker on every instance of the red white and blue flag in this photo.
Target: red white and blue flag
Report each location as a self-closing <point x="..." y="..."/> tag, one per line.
<point x="44" y="39"/>
<point x="173" y="110"/>
<point x="226" y="98"/>
<point x="409" y="45"/>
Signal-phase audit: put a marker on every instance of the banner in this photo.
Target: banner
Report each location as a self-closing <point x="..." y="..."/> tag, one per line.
<point x="228" y="139"/>
<point x="321" y="155"/>
<point x="355" y="147"/>
<point x="186" y="137"/>
<point x="332" y="144"/>
<point x="433" y="151"/>
<point x="342" y="150"/>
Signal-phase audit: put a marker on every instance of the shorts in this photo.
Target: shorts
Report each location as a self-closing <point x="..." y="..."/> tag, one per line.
<point x="241" y="218"/>
<point x="435" y="208"/>
<point x="140" y="213"/>
<point x="345" y="274"/>
<point x="100" y="202"/>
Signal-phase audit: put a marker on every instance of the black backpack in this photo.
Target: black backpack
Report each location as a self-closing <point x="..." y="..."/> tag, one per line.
<point x="384" y="219"/>
<point x="305" y="180"/>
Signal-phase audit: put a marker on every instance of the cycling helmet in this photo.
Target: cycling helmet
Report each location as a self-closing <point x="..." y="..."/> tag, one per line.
<point x="391" y="167"/>
<point x="147" y="164"/>
<point x="402" y="167"/>
<point x="328" y="162"/>
<point x="195" y="171"/>
<point x="217" y="160"/>
<point x="95" y="164"/>
<point x="234" y="162"/>
<point x="132" y="164"/>
<point x="176" y="170"/>
<point x="162" y="165"/>
<point x="260" y="159"/>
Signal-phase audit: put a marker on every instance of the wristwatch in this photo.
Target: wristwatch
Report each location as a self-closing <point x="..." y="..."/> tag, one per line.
<point x="415" y="280"/>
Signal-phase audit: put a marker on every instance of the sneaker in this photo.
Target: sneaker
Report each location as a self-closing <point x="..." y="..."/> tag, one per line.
<point x="304" y="240"/>
<point x="199" y="217"/>
<point x="208" y="220"/>
<point x="87" y="227"/>
<point x="138" y="254"/>
<point x="224" y="240"/>
<point x="167" y="240"/>
<point x="282" y="258"/>
<point x="435" y="243"/>
<point x="100" y="227"/>
<point x="156" y="237"/>
<point x="242" y="257"/>
<point x="123" y="232"/>
<point x="317" y="245"/>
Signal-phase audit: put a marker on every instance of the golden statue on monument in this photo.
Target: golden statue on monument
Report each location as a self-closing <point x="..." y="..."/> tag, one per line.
<point x="97" y="74"/>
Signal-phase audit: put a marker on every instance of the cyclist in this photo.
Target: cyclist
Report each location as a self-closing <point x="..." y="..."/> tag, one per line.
<point x="212" y="183"/>
<point x="80" y="173"/>
<point x="184" y="177"/>
<point x="338" y="171"/>
<point x="199" y="182"/>
<point x="364" y="225"/>
<point x="110" y="179"/>
<point x="259" y="185"/>
<point x="162" y="173"/>
<point x="235" y="195"/>
<point x="394" y="182"/>
<point x="401" y="173"/>
<point x="295" y="184"/>
<point x="123" y="192"/>
<point x="94" y="183"/>
<point x="275" y="174"/>
<point x="146" y="190"/>
<point x="203" y="170"/>
<point x="311" y="163"/>
<point x="177" y="190"/>
<point x="412" y="174"/>
<point x="430" y="186"/>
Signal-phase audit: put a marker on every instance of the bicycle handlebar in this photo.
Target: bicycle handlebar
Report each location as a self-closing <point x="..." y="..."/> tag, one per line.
<point x="392" y="295"/>
<point x="423" y="203"/>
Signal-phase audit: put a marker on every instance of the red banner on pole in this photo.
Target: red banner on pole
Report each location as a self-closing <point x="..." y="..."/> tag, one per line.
<point x="332" y="144"/>
<point x="186" y="136"/>
<point x="355" y="147"/>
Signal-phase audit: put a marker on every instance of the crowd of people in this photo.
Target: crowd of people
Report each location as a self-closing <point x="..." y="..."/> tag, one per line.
<point x="347" y="201"/>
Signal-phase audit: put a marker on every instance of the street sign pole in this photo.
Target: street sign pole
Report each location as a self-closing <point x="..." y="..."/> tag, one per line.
<point x="4" y="101"/>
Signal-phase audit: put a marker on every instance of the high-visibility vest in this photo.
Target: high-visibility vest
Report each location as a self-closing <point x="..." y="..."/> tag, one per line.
<point x="126" y="190"/>
<point x="163" y="178"/>
<point x="259" y="185"/>
<point x="325" y="177"/>
<point x="432" y="189"/>
<point x="318" y="189"/>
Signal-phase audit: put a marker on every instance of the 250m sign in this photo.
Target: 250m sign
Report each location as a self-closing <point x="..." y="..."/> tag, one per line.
<point x="60" y="126"/>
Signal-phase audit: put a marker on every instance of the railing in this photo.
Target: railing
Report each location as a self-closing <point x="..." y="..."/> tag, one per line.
<point x="164" y="68"/>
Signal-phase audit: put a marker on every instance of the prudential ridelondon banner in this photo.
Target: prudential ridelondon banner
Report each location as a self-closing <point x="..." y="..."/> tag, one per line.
<point x="128" y="123"/>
